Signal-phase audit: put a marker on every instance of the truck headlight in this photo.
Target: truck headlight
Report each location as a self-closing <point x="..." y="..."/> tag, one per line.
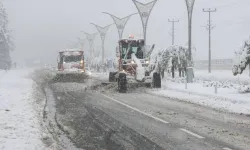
<point x="147" y="62"/>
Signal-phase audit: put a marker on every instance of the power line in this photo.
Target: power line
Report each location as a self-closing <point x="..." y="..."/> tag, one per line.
<point x="235" y="4"/>
<point x="209" y="27"/>
<point x="173" y="29"/>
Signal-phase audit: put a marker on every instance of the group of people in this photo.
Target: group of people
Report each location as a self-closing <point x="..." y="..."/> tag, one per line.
<point x="181" y="66"/>
<point x="172" y="59"/>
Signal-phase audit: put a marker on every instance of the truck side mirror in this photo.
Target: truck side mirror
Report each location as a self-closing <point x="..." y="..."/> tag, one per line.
<point x="58" y="59"/>
<point x="153" y="46"/>
<point x="117" y="51"/>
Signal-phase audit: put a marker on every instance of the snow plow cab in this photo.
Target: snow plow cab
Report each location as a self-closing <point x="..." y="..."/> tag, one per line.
<point x="133" y="68"/>
<point x="71" y="66"/>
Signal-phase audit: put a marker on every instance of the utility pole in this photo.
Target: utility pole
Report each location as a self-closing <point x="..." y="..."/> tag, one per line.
<point x="190" y="65"/>
<point x="81" y="42"/>
<point x="173" y="28"/>
<point x="249" y="69"/>
<point x="90" y="38"/>
<point x="120" y="23"/>
<point x="102" y="31"/>
<point x="209" y="27"/>
<point x="144" y="10"/>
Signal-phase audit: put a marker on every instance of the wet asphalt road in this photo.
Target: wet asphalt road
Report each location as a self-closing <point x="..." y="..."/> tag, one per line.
<point x="89" y="127"/>
<point x="108" y="120"/>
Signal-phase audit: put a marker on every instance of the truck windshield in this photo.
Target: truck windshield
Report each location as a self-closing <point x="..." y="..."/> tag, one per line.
<point x="72" y="58"/>
<point x="124" y="51"/>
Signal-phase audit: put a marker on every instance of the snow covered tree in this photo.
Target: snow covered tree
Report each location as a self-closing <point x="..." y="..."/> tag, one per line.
<point x="170" y="58"/>
<point x="241" y="61"/>
<point x="241" y="58"/>
<point x="6" y="41"/>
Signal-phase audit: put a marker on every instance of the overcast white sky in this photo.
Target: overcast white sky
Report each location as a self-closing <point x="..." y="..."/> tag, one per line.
<point x="43" y="27"/>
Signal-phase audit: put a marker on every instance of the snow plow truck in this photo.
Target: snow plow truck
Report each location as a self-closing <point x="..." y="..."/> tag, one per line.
<point x="71" y="66"/>
<point x="134" y="66"/>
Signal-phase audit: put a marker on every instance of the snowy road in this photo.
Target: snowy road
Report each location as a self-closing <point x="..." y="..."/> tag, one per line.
<point x="99" y="118"/>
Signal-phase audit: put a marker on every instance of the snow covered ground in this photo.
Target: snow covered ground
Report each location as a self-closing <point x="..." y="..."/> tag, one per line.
<point x="223" y="75"/>
<point x="19" y="121"/>
<point x="100" y="76"/>
<point x="226" y="99"/>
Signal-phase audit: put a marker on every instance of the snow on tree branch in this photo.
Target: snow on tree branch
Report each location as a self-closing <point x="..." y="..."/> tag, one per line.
<point x="241" y="58"/>
<point x="174" y="55"/>
<point x="5" y="32"/>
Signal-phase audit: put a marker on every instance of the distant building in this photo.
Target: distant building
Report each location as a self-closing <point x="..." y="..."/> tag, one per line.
<point x="216" y="64"/>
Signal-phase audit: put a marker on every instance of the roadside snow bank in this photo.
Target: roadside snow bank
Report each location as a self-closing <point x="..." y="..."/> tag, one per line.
<point x="222" y="75"/>
<point x="228" y="96"/>
<point x="217" y="103"/>
<point x="224" y="79"/>
<point x="19" y="122"/>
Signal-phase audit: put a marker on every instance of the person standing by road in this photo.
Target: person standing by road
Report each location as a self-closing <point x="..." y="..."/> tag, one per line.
<point x="6" y="68"/>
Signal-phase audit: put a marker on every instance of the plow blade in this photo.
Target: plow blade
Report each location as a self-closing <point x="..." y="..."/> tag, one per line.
<point x="106" y="83"/>
<point x="70" y="78"/>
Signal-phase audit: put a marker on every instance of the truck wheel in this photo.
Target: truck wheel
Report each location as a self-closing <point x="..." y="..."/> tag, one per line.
<point x="112" y="76"/>
<point x="122" y="83"/>
<point x="156" y="80"/>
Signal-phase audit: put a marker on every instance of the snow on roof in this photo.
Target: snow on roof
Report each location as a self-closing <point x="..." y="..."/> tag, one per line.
<point x="71" y="50"/>
<point x="70" y="53"/>
<point x="134" y="39"/>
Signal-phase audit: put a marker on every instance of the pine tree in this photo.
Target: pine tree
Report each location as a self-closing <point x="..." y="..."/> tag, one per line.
<point x="6" y="42"/>
<point x="241" y="58"/>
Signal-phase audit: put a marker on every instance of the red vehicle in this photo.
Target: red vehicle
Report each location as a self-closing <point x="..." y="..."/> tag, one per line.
<point x="71" y="65"/>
